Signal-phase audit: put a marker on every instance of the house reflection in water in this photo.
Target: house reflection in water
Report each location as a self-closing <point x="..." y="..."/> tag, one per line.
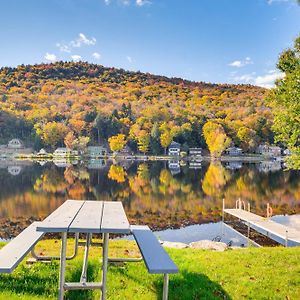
<point x="234" y="165"/>
<point x="14" y="170"/>
<point x="96" y="164"/>
<point x="269" y="166"/>
<point x="174" y="166"/>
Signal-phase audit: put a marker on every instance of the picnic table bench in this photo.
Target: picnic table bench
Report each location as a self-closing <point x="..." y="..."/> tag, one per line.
<point x="89" y="217"/>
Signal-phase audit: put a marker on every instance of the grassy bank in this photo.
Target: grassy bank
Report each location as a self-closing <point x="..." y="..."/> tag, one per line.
<point x="265" y="273"/>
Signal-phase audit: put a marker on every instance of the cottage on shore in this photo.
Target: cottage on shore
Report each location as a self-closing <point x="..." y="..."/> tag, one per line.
<point x="65" y="152"/>
<point x="195" y="151"/>
<point x="174" y="149"/>
<point x="267" y="150"/>
<point x="14" y="147"/>
<point x="96" y="151"/>
<point x="234" y="151"/>
<point x="15" y="144"/>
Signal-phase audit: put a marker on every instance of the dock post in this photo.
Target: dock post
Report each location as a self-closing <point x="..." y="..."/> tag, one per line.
<point x="286" y="238"/>
<point x="223" y="208"/>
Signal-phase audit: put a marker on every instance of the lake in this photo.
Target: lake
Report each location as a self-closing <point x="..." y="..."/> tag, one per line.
<point x="164" y="195"/>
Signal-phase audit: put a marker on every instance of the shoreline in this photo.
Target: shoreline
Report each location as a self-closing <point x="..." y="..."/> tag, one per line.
<point x="117" y="158"/>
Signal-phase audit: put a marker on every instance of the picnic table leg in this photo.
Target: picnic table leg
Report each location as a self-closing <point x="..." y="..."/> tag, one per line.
<point x="85" y="261"/>
<point x="104" y="265"/>
<point x="62" y="266"/>
<point x="166" y="287"/>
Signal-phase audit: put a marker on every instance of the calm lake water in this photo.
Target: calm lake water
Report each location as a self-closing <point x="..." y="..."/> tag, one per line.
<point x="161" y="194"/>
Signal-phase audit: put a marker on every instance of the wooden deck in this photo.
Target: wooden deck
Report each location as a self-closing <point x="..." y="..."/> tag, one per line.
<point x="265" y="224"/>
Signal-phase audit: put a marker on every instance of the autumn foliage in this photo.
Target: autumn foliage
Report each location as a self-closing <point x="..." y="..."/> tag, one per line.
<point x="42" y="104"/>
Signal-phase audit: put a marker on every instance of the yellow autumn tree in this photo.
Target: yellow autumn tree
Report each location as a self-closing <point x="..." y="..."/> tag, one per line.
<point x="117" y="142"/>
<point x="215" y="138"/>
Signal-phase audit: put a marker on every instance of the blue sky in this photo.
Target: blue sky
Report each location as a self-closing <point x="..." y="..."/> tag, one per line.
<point x="220" y="41"/>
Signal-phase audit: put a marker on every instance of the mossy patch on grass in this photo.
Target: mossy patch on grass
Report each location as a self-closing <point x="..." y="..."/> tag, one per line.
<point x="265" y="273"/>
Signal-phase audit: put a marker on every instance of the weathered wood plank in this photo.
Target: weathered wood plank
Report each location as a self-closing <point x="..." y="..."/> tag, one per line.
<point x="155" y="257"/>
<point x="14" y="252"/>
<point x="62" y="217"/>
<point x="114" y="219"/>
<point x="88" y="219"/>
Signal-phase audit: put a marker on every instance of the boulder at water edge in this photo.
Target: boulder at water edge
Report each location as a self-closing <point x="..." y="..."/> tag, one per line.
<point x="206" y="244"/>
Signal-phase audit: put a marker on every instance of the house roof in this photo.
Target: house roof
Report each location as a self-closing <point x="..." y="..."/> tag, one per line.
<point x="174" y="144"/>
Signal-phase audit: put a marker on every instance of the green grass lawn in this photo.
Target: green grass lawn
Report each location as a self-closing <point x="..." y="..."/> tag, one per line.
<point x="265" y="273"/>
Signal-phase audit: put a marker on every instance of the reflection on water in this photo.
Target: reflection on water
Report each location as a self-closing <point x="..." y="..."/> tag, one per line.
<point x="161" y="194"/>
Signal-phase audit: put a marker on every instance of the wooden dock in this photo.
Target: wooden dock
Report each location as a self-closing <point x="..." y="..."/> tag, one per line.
<point x="266" y="224"/>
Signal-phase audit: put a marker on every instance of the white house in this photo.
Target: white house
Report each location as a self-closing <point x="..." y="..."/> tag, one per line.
<point x="15" y="144"/>
<point x="234" y="151"/>
<point x="65" y="152"/>
<point x="96" y="151"/>
<point x="195" y="151"/>
<point x="174" y="149"/>
<point x="269" y="150"/>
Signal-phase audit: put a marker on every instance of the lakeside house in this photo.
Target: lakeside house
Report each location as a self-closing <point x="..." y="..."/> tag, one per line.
<point x="13" y="147"/>
<point x="195" y="151"/>
<point x="15" y="144"/>
<point x="267" y="150"/>
<point x="287" y="152"/>
<point x="65" y="152"/>
<point x="234" y="151"/>
<point x="42" y="153"/>
<point x="174" y="149"/>
<point x="126" y="151"/>
<point x="96" y="151"/>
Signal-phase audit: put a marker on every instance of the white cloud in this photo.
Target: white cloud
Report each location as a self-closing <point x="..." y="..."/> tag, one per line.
<point x="81" y="40"/>
<point x="107" y="2"/>
<point x="241" y="63"/>
<point x="63" y="47"/>
<point x="266" y="80"/>
<point x="142" y="2"/>
<point x="246" y="78"/>
<point x="76" y="57"/>
<point x="129" y="58"/>
<point x="96" y="55"/>
<point x="50" y="57"/>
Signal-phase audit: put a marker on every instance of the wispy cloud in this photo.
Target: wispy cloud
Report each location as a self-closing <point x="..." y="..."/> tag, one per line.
<point x="96" y="55"/>
<point x="241" y="63"/>
<point x="76" y="57"/>
<point x="50" y="57"/>
<point x="139" y="3"/>
<point x="81" y="40"/>
<point x="142" y="2"/>
<point x="266" y="80"/>
<point x="278" y="1"/>
<point x="129" y="58"/>
<point x="63" y="47"/>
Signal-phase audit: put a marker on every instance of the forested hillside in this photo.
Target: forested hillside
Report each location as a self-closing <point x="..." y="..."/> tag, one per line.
<point x="82" y="103"/>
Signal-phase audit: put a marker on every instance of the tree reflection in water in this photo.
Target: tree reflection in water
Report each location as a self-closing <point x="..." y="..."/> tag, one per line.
<point x="149" y="192"/>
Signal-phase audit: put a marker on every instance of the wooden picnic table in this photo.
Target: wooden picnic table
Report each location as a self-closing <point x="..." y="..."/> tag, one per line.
<point x="85" y="217"/>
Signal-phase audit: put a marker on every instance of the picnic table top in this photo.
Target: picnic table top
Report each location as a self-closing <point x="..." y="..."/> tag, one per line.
<point x="87" y="217"/>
